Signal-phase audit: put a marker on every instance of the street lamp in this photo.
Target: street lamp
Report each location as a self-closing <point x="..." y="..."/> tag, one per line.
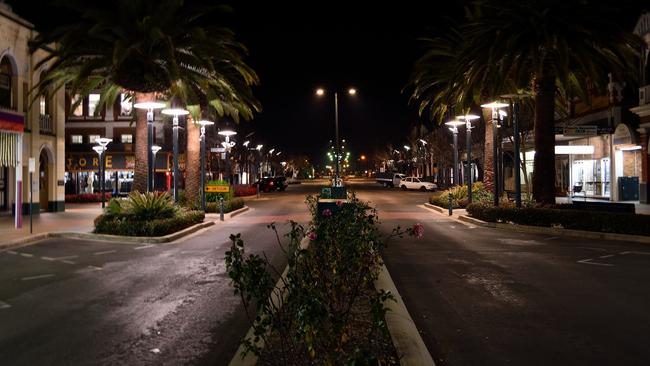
<point x="320" y="92"/>
<point x="102" y="142"/>
<point x="454" y="130"/>
<point x="495" y="106"/>
<point x="203" y="123"/>
<point x="149" y="106"/>
<point x="424" y="156"/>
<point x="227" y="145"/>
<point x="514" y="108"/>
<point x="468" y="118"/>
<point x="154" y="151"/>
<point x="175" y="112"/>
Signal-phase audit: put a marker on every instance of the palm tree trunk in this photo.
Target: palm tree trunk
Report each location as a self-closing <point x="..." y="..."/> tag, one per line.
<point x="544" y="163"/>
<point x="193" y="163"/>
<point x="141" y="148"/>
<point x="488" y="155"/>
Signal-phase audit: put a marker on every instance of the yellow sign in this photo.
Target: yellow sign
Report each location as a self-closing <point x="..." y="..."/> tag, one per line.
<point x="218" y="189"/>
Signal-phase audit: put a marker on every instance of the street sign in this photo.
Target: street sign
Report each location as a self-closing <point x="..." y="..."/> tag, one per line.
<point x="218" y="149"/>
<point x="32" y="165"/>
<point x="581" y="131"/>
<point x="217" y="189"/>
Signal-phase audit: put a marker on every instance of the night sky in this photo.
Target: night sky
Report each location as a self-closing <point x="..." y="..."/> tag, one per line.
<point x="298" y="47"/>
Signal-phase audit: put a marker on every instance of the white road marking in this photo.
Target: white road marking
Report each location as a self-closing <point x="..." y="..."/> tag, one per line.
<point x="105" y="252"/>
<point x="589" y="261"/>
<point x="27" y="255"/>
<point x="626" y="252"/>
<point x="95" y="268"/>
<point x="606" y="256"/>
<point x="642" y="253"/>
<point x="47" y="259"/>
<point x="62" y="259"/>
<point x="472" y="227"/>
<point x="68" y="262"/>
<point x="552" y="238"/>
<point x="144" y="247"/>
<point x="4" y="305"/>
<point x="37" y="277"/>
<point x="12" y="252"/>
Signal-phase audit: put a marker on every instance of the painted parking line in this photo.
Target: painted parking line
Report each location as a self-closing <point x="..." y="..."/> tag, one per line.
<point x="95" y="268"/>
<point x="62" y="259"/>
<point x="105" y="252"/>
<point x="37" y="277"/>
<point x="12" y="252"/>
<point x="606" y="256"/>
<point x="589" y="261"/>
<point x="633" y="252"/>
<point x="552" y="238"/>
<point x="27" y="255"/>
<point x="144" y="247"/>
<point x="4" y="305"/>
<point x="68" y="262"/>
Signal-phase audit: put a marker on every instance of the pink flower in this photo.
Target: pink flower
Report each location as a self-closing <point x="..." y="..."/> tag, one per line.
<point x="327" y="212"/>
<point x="418" y="230"/>
<point x="311" y="236"/>
<point x="339" y="203"/>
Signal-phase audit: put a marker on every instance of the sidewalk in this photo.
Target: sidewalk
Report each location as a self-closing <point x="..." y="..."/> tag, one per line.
<point x="77" y="217"/>
<point x="640" y="208"/>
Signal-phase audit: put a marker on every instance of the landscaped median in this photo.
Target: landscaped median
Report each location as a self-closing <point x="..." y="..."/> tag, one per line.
<point x="330" y="304"/>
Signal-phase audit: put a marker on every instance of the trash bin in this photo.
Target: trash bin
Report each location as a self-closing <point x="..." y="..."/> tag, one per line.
<point x="628" y="188"/>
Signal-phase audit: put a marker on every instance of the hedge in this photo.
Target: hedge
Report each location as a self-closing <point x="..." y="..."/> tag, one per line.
<point x="127" y="226"/>
<point x="87" y="197"/>
<point x="228" y="205"/>
<point x="607" y="222"/>
<point x="245" y="190"/>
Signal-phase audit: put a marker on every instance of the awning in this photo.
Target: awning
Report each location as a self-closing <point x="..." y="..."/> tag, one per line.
<point x="11" y="121"/>
<point x="8" y="144"/>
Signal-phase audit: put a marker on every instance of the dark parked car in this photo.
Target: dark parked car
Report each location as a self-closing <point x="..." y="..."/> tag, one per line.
<point x="272" y="184"/>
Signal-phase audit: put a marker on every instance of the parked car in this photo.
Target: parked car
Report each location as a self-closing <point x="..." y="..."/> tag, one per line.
<point x="389" y="179"/>
<point x="416" y="183"/>
<point x="268" y="184"/>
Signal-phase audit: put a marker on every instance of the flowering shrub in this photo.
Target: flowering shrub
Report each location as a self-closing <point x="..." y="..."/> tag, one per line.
<point x="242" y="190"/>
<point x="86" y="197"/>
<point x="327" y="310"/>
<point x="459" y="197"/>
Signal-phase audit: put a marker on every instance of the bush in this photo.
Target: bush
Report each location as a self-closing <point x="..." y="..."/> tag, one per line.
<point x="459" y="196"/>
<point x="607" y="222"/>
<point x="128" y="226"/>
<point x="245" y="190"/>
<point x="86" y="197"/>
<point x="228" y="206"/>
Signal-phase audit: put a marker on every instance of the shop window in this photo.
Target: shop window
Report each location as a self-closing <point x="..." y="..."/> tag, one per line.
<point x="93" y="138"/>
<point x="76" y="139"/>
<point x="78" y="110"/>
<point x="126" y="107"/>
<point x="127" y="139"/>
<point x="93" y="104"/>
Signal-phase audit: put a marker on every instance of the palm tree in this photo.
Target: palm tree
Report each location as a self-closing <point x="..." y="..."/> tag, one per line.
<point x="510" y="45"/>
<point x="149" y="47"/>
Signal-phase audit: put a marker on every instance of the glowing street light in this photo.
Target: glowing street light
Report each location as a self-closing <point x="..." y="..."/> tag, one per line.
<point x="100" y="149"/>
<point x="468" y="118"/>
<point x="454" y="130"/>
<point x="175" y="112"/>
<point x="149" y="107"/>
<point x="495" y="107"/>
<point x="203" y="124"/>
<point x="154" y="151"/>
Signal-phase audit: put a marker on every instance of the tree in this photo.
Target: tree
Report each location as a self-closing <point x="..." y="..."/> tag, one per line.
<point x="533" y="45"/>
<point x="146" y="48"/>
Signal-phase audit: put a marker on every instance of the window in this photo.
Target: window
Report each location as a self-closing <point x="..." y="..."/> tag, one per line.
<point x="125" y="105"/>
<point x="93" y="138"/>
<point x="78" y="111"/>
<point x="42" y="107"/>
<point x="76" y="139"/>
<point x="127" y="139"/>
<point x="93" y="102"/>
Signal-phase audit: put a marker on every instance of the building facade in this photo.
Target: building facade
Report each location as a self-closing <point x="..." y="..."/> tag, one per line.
<point x="29" y="127"/>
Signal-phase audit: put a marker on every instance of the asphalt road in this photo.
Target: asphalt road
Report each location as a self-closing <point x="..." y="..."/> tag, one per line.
<point x="81" y="302"/>
<point x="483" y="296"/>
<point x="478" y="296"/>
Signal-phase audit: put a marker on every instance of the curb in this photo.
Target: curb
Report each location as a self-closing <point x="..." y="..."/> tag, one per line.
<point x="435" y="208"/>
<point x="118" y="238"/>
<point x="406" y="338"/>
<point x="557" y="231"/>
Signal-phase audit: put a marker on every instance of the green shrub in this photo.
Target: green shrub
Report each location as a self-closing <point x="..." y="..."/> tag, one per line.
<point x="228" y="206"/>
<point x="143" y="206"/>
<point x="214" y="196"/>
<point x="128" y="226"/>
<point x="459" y="196"/>
<point x="608" y="222"/>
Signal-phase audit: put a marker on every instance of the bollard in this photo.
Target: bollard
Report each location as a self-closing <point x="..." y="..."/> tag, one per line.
<point x="221" y="208"/>
<point x="450" y="205"/>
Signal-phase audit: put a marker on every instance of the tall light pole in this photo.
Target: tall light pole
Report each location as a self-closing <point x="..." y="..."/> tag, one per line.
<point x="247" y="167"/>
<point x="203" y="124"/>
<point x="227" y="145"/>
<point x="454" y="130"/>
<point x="424" y="156"/>
<point x="175" y="112"/>
<point x="102" y="142"/>
<point x="337" y="178"/>
<point x="514" y="109"/>
<point x="408" y="159"/>
<point x="154" y="151"/>
<point x="496" y="177"/>
<point x="149" y="106"/>
<point x="468" y="118"/>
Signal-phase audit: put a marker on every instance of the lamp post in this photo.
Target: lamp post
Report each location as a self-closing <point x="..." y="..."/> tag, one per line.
<point x="103" y="143"/>
<point x="203" y="124"/>
<point x="149" y="106"/>
<point x="227" y="145"/>
<point x="247" y="166"/>
<point x="175" y="112"/>
<point x="514" y="108"/>
<point x="337" y="178"/>
<point x="454" y="130"/>
<point x="496" y="177"/>
<point x="468" y="118"/>
<point x="408" y="159"/>
<point x="424" y="156"/>
<point x="154" y="151"/>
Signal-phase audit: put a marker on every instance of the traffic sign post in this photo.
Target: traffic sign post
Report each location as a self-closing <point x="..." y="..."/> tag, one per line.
<point x="32" y="169"/>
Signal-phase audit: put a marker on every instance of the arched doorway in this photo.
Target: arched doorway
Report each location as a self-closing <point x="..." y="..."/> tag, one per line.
<point x="43" y="180"/>
<point x="7" y="89"/>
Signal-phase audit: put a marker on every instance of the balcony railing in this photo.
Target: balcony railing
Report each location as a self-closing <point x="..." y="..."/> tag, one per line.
<point x="45" y="123"/>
